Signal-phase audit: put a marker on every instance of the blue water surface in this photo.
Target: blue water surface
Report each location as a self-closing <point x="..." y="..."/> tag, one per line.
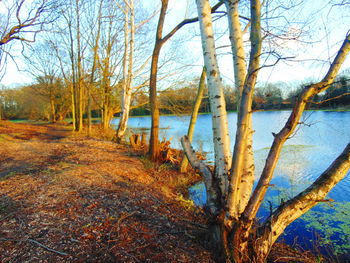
<point x="319" y="139"/>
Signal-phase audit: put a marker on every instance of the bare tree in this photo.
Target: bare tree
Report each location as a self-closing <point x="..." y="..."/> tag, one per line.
<point x="129" y="30"/>
<point x="95" y="48"/>
<point x="231" y="202"/>
<point x="21" y="22"/>
<point x="159" y="42"/>
<point x="43" y="67"/>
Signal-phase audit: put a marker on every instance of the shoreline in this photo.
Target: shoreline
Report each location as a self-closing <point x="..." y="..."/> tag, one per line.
<point x="81" y="196"/>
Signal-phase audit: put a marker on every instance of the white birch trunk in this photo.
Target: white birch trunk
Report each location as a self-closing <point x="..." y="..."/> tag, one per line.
<point x="127" y="68"/>
<point x="216" y="96"/>
<point x="244" y="181"/>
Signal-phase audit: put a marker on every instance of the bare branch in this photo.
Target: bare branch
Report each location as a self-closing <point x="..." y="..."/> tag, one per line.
<point x="280" y="138"/>
<point x="212" y="190"/>
<point x="334" y="98"/>
<point x="187" y="21"/>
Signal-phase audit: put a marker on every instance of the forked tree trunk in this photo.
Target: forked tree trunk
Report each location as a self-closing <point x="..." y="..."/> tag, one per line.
<point x="234" y="230"/>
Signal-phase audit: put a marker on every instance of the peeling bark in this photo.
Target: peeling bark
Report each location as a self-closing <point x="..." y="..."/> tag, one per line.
<point x="216" y="96"/>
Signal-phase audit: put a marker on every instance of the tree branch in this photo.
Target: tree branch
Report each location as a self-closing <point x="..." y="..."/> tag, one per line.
<point x="280" y="138"/>
<point x="287" y="212"/>
<point x="37" y="243"/>
<point x="187" y="21"/>
<point x="212" y="189"/>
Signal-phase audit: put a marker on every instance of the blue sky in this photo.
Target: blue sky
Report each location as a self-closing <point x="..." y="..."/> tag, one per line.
<point x="327" y="28"/>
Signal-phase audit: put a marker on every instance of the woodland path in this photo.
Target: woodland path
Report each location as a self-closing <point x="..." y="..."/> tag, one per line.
<point x="65" y="198"/>
<point x="69" y="198"/>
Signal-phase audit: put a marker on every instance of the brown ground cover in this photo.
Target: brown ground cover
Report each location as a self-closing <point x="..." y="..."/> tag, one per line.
<point x="69" y="198"/>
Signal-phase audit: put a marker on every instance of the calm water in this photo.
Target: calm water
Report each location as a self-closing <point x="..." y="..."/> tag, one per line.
<point x="310" y="151"/>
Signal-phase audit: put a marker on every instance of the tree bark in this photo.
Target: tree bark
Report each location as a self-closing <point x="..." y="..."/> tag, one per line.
<point x="93" y="68"/>
<point x="79" y="72"/>
<point x="216" y="96"/>
<point x="154" y="142"/>
<point x="240" y="72"/>
<point x="196" y="106"/>
<point x="127" y="68"/>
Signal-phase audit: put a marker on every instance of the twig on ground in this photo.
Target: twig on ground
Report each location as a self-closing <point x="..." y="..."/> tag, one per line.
<point x="35" y="242"/>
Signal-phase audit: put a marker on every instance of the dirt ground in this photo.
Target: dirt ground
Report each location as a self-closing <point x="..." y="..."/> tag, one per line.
<point x="69" y="198"/>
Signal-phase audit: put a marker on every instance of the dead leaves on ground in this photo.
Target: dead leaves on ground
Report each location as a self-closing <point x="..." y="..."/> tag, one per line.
<point x="90" y="199"/>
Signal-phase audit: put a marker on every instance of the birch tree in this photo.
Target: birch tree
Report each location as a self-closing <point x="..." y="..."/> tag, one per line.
<point x="129" y="30"/>
<point x="232" y="203"/>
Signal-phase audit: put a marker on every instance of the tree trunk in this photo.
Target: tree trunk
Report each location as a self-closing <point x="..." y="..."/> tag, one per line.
<point x="53" y="110"/>
<point x="80" y="90"/>
<point x="240" y="72"/>
<point x="216" y="96"/>
<point x="242" y="160"/>
<point x="154" y="141"/>
<point x="234" y="229"/>
<point x="196" y="106"/>
<point x="94" y="62"/>
<point x="127" y="68"/>
<point x="73" y="81"/>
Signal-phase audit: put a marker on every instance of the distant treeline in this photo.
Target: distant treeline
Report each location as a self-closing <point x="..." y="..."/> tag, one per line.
<point x="270" y="97"/>
<point x="37" y="101"/>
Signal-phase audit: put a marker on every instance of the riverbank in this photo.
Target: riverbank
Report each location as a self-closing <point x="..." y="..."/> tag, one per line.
<point x="69" y="198"/>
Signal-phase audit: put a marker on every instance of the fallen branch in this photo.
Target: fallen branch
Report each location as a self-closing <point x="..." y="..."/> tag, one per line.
<point x="35" y="242"/>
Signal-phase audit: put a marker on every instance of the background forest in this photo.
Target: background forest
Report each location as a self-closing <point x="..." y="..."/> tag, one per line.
<point x="84" y="50"/>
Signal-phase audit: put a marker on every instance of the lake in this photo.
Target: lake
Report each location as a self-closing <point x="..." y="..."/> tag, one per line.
<point x="316" y="143"/>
